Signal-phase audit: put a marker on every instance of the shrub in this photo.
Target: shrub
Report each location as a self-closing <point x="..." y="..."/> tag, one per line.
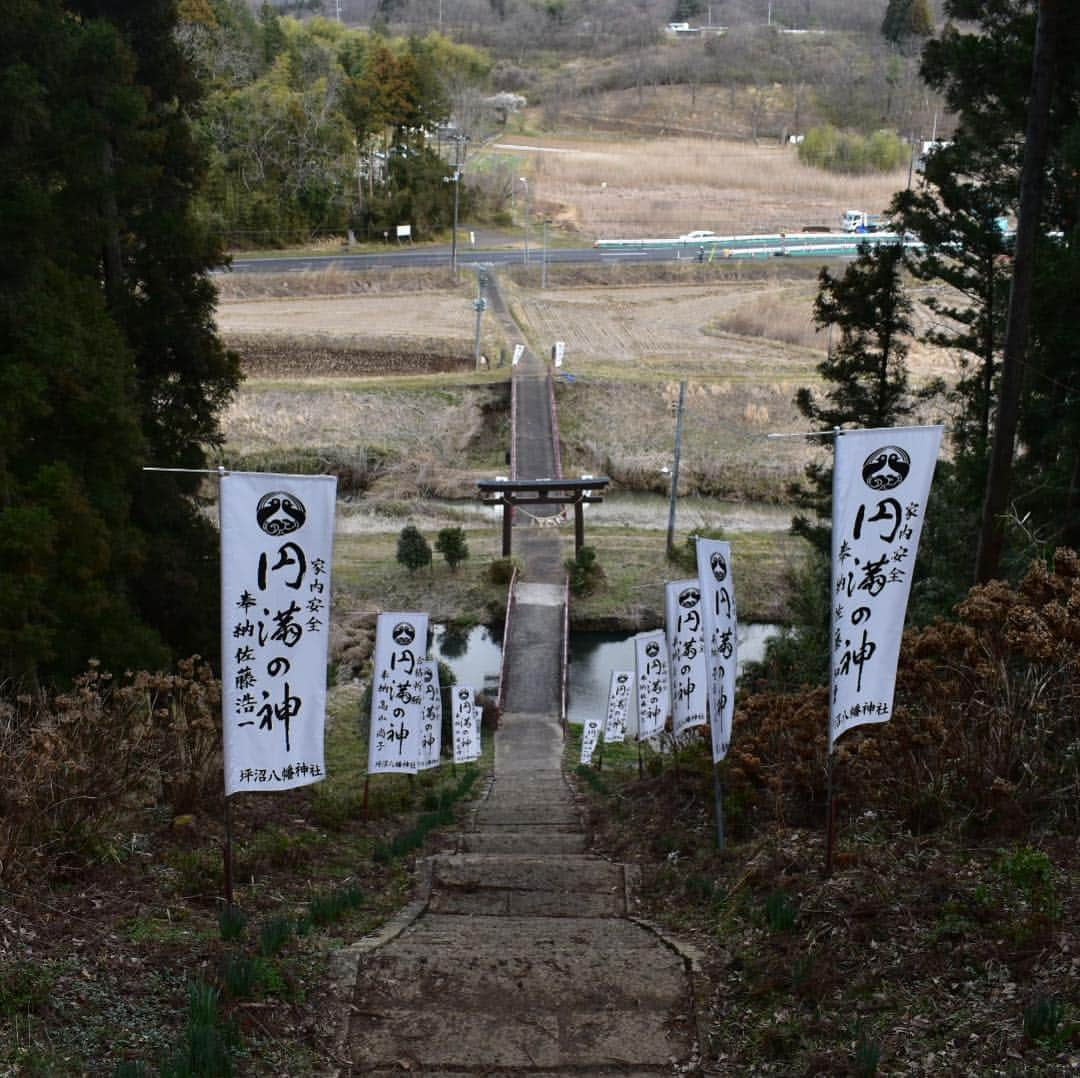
<point x="451" y="544"/>
<point x="984" y="723"/>
<point x="585" y="572"/>
<point x="274" y="935"/>
<point x="231" y="923"/>
<point x="826" y="148"/>
<point x="413" y="550"/>
<point x="501" y="571"/>
<point x="78" y="762"/>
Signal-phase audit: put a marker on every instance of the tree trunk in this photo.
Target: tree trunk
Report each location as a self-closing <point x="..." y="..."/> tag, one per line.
<point x="991" y="532"/>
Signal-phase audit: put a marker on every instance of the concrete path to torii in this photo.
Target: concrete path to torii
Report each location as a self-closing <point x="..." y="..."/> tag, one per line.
<point x="521" y="954"/>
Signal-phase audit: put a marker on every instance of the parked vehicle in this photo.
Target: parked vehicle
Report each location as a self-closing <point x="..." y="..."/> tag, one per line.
<point x="861" y="221"/>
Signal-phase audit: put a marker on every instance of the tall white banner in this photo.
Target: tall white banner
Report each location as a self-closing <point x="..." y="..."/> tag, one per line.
<point x="881" y="480"/>
<point x="277" y="534"/>
<point x="653" y="683"/>
<point x="720" y="624"/>
<point x="618" y="705"/>
<point x="431" y="722"/>
<point x="686" y="648"/>
<point x="465" y="716"/>
<point x="397" y="701"/>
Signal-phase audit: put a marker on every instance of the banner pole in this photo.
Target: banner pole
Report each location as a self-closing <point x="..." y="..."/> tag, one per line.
<point x="227" y="855"/>
<point x="718" y="798"/>
<point x="640" y="761"/>
<point x="367" y="787"/>
<point x="830" y="808"/>
<point x="227" y="849"/>
<point x="830" y="818"/>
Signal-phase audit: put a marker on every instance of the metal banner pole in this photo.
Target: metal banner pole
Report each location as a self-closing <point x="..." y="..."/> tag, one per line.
<point x="718" y="798"/>
<point x="227" y="856"/>
<point x="830" y="819"/>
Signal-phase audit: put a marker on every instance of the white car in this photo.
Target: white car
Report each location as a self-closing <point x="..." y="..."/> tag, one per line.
<point x="700" y="236"/>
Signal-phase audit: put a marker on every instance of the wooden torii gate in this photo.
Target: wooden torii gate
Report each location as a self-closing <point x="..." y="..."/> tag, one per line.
<point x="528" y="492"/>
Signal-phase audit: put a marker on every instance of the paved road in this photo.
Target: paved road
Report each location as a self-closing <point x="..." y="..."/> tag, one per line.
<point x="796" y="245"/>
<point x="521" y="954"/>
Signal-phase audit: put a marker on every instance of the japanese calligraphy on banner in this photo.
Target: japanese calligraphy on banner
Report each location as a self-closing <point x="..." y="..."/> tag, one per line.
<point x="590" y="736"/>
<point x="397" y="702"/>
<point x="720" y="625"/>
<point x="686" y="649"/>
<point x="465" y="718"/>
<point x="618" y="705"/>
<point x="881" y="480"/>
<point x="431" y="721"/>
<point x="653" y="682"/>
<point x="277" y="535"/>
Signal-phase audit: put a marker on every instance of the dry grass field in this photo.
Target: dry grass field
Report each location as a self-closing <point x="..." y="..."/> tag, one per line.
<point x="659" y="187"/>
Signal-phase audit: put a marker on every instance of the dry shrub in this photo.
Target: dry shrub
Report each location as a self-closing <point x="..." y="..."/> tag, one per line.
<point x="77" y="764"/>
<point x="985" y="725"/>
<point x="776" y="317"/>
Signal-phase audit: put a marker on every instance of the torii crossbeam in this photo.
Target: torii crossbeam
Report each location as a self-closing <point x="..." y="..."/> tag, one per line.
<point x="527" y="492"/>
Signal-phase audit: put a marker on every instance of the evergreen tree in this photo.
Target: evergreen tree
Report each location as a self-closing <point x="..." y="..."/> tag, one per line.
<point x="107" y="350"/>
<point x="451" y="544"/>
<point x="865" y="369"/>
<point x="906" y="19"/>
<point x="959" y="223"/>
<point x="984" y="69"/>
<point x="413" y="550"/>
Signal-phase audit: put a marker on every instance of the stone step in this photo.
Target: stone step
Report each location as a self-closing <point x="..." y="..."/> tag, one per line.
<point x="566" y="816"/>
<point x="527" y="884"/>
<point x="539" y="872"/>
<point x="434" y="1041"/>
<point x="533" y="840"/>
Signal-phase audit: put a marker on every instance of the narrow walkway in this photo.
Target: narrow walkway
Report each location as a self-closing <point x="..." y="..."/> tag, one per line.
<point x="520" y="955"/>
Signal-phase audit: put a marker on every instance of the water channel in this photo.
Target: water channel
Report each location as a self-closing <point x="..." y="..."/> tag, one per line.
<point x="619" y="509"/>
<point x="475" y="656"/>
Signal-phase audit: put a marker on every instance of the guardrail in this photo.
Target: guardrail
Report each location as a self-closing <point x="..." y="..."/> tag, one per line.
<point x="749" y="246"/>
<point x="499" y="700"/>
<point x="565" y="653"/>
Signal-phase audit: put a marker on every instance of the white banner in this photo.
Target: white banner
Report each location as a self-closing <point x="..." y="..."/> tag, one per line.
<point x="653" y="683"/>
<point x="397" y="707"/>
<point x="618" y="705"/>
<point x="881" y="480"/>
<point x="686" y="650"/>
<point x="431" y="723"/>
<point x="277" y="534"/>
<point x="590" y="736"/>
<point x="465" y="716"/>
<point x="720" y="624"/>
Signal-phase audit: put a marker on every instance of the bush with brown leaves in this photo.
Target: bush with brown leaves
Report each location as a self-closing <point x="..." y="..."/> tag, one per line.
<point x="76" y="764"/>
<point x="986" y="723"/>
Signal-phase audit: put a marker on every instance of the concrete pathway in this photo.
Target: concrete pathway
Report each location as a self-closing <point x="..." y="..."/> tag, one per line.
<point x="520" y="954"/>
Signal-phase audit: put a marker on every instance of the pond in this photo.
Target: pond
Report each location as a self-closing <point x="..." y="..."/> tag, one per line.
<point x="475" y="655"/>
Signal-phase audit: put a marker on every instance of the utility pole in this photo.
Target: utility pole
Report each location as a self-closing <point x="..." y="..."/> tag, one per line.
<point x="543" y="264"/>
<point x="525" y="183"/>
<point x="459" y="160"/>
<point x="675" y="470"/>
